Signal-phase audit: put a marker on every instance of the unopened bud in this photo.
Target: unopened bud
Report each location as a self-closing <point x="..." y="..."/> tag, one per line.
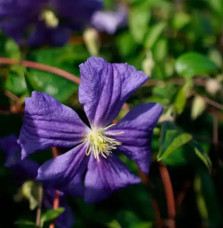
<point x="212" y="86"/>
<point x="198" y="106"/>
<point x="148" y="63"/>
<point x="92" y="41"/>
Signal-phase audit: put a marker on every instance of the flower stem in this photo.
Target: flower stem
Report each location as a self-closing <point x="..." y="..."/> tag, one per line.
<point x="42" y="67"/>
<point x="38" y="212"/>
<point x="56" y="200"/>
<point x="169" y="195"/>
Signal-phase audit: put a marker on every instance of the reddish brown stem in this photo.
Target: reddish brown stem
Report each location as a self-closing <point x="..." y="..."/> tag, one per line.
<point x="169" y="195"/>
<point x="56" y="200"/>
<point x="215" y="130"/>
<point x="42" y="67"/>
<point x="143" y="176"/>
<point x="158" y="219"/>
<point x="38" y="212"/>
<point x="209" y="101"/>
<point x="177" y="81"/>
<point x="181" y="196"/>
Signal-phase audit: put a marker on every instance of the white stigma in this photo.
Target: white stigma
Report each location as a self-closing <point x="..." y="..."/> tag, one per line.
<point x="49" y="18"/>
<point x="99" y="143"/>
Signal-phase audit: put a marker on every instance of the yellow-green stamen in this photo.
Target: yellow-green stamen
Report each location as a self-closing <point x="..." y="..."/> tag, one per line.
<point x="50" y="19"/>
<point x="99" y="143"/>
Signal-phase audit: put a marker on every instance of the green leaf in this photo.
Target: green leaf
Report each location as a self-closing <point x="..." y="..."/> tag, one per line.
<point x="128" y="219"/>
<point x="54" y="85"/>
<point x="138" y="21"/>
<point x="171" y="139"/>
<point x="67" y="58"/>
<point x="154" y="33"/>
<point x="160" y="49"/>
<point x="114" y="224"/>
<point x="51" y="214"/>
<point x="25" y="223"/>
<point x="207" y="200"/>
<point x="180" y="20"/>
<point x="192" y="63"/>
<point x="201" y="154"/>
<point x="181" y="98"/>
<point x="16" y="83"/>
<point x="29" y="190"/>
<point x="12" y="49"/>
<point x="126" y="45"/>
<point x="217" y="6"/>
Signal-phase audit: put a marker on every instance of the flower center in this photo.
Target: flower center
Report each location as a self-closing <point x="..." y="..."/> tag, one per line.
<point x="99" y="143"/>
<point x="50" y="18"/>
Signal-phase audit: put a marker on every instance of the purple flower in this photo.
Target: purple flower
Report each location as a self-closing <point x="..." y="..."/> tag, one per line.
<point x="25" y="170"/>
<point x="22" y="169"/>
<point x="104" y="89"/>
<point x="49" y="20"/>
<point x="109" y="21"/>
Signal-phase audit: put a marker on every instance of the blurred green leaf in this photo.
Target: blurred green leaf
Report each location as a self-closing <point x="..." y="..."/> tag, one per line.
<point x="217" y="6"/>
<point x="25" y="223"/>
<point x="191" y="64"/>
<point x="51" y="214"/>
<point x="181" y="98"/>
<point x="154" y="33"/>
<point x="126" y="45"/>
<point x="16" y="83"/>
<point x="29" y="190"/>
<point x="128" y="219"/>
<point x="64" y="58"/>
<point x="207" y="201"/>
<point x="160" y="49"/>
<point x="12" y="49"/>
<point x="138" y="21"/>
<point x="180" y="20"/>
<point x="114" y="224"/>
<point x="171" y="139"/>
<point x="54" y="85"/>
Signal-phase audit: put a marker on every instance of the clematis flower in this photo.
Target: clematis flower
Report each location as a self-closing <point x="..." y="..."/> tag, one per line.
<point x="25" y="170"/>
<point x="93" y="156"/>
<point x="109" y="21"/>
<point x="22" y="169"/>
<point x="49" y="20"/>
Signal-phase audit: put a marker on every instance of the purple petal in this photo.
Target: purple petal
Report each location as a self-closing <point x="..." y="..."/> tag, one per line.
<point x="25" y="169"/>
<point x="77" y="13"/>
<point x="43" y="35"/>
<point x="105" y="87"/>
<point x="59" y="36"/>
<point x="14" y="28"/>
<point x="137" y="127"/>
<point x="49" y="123"/>
<point x="109" y="21"/>
<point x="22" y="169"/>
<point x="65" y="172"/>
<point x="106" y="176"/>
<point x="11" y="149"/>
<point x="38" y="35"/>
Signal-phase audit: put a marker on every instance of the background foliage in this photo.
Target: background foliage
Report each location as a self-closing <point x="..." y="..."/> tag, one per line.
<point x="179" y="43"/>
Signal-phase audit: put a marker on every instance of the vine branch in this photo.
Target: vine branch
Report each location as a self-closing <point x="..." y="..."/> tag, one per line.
<point x="38" y="212"/>
<point x="43" y="67"/>
<point x="56" y="200"/>
<point x="169" y="195"/>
